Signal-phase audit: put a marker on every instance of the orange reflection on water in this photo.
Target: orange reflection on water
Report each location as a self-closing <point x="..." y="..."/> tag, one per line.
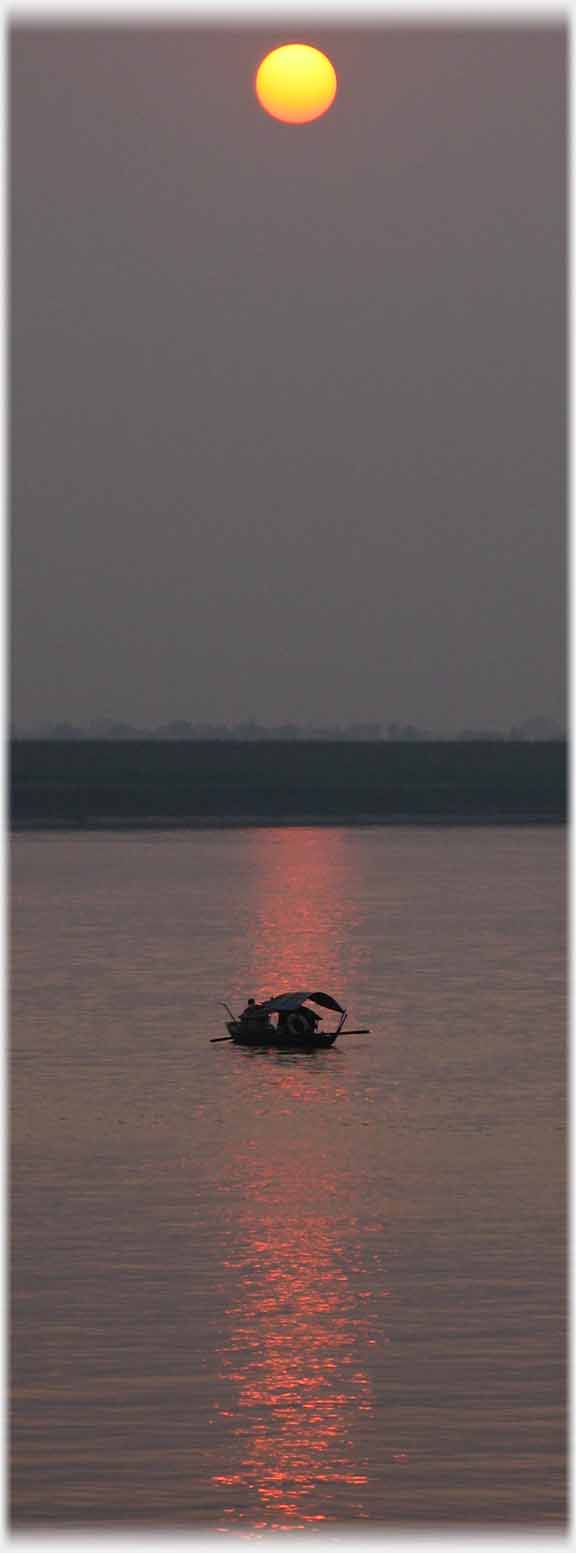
<point x="293" y="1354"/>
<point x="292" y="1358"/>
<point x="302" y="910"/>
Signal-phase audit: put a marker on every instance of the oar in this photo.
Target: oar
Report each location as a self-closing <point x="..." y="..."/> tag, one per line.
<point x="356" y="1032"/>
<point x="214" y="1038"/>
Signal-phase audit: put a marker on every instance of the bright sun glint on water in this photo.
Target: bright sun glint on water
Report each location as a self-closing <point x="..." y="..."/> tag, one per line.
<point x="296" y="83"/>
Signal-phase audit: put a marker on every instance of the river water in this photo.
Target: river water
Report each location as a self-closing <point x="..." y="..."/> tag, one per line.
<point x="261" y="1291"/>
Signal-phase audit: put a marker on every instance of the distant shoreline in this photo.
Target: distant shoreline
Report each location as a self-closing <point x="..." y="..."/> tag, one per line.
<point x="138" y="788"/>
<point x="286" y="822"/>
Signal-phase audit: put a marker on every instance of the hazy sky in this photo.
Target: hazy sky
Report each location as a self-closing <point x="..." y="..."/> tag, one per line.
<point x="288" y="401"/>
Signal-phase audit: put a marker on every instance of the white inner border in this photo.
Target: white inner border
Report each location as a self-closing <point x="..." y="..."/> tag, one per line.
<point x="235" y="12"/>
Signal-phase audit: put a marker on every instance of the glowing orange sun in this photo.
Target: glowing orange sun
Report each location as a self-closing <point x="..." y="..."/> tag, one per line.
<point x="296" y="83"/>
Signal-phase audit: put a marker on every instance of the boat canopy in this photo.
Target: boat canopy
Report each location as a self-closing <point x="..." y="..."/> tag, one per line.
<point x="288" y="1001"/>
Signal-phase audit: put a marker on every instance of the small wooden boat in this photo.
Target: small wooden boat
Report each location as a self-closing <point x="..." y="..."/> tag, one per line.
<point x="286" y="1022"/>
<point x="244" y="1037"/>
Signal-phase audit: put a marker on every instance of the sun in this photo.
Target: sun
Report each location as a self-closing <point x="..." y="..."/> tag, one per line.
<point x="296" y="83"/>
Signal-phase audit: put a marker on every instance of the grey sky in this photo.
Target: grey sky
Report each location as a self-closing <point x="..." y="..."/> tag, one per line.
<point x="288" y="401"/>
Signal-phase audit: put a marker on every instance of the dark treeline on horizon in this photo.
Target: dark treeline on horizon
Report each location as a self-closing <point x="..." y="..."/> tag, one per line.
<point x="180" y="729"/>
<point x="76" y="783"/>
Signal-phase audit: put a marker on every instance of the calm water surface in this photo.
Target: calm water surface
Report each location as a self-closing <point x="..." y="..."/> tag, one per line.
<point x="268" y="1291"/>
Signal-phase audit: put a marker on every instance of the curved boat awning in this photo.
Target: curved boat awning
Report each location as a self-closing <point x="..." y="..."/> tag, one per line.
<point x="288" y="1001"/>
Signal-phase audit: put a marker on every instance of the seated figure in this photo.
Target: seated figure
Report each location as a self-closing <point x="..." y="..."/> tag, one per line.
<point x="253" y="1013"/>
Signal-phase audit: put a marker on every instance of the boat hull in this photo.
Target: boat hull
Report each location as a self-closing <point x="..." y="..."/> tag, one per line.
<point x="242" y="1035"/>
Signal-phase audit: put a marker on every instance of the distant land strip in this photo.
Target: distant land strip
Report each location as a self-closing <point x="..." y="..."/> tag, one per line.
<point x="143" y="785"/>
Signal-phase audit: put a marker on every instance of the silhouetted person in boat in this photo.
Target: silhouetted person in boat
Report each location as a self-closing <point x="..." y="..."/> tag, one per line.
<point x="253" y="1013"/>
